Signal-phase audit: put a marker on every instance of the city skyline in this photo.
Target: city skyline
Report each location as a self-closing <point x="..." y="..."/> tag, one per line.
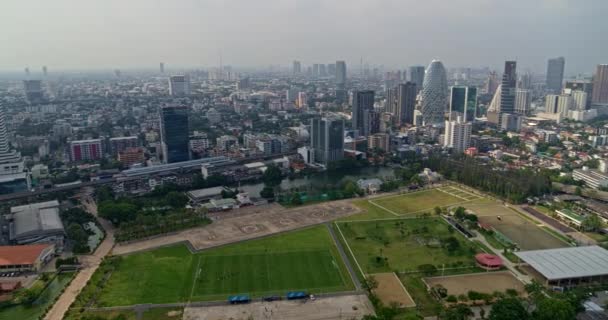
<point x="111" y="34"/>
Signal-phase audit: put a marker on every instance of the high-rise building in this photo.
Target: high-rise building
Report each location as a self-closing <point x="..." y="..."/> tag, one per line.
<point x="492" y="83"/>
<point x="510" y="122"/>
<point x="558" y="104"/>
<point x="33" y="91"/>
<point x="457" y="134"/>
<point x="327" y="139"/>
<point x="331" y="69"/>
<point x="118" y="144"/>
<point x="371" y="122"/>
<point x="417" y="76"/>
<point x="555" y="74"/>
<point x="406" y="103"/>
<point x="581" y="85"/>
<point x="322" y="70"/>
<point x="162" y="67"/>
<point x="600" y="85"/>
<point x="296" y="67"/>
<point x="243" y="83"/>
<point x="508" y="86"/>
<point x="302" y="100"/>
<point x="179" y="85"/>
<point x="580" y="100"/>
<point x="83" y="150"/>
<point x="315" y="70"/>
<point x="379" y="141"/>
<point x="10" y="160"/>
<point x="363" y="101"/>
<point x="434" y="95"/>
<point x="522" y="101"/>
<point x="340" y="74"/>
<point x="45" y="71"/>
<point x="174" y="133"/>
<point x="525" y="81"/>
<point x="463" y="102"/>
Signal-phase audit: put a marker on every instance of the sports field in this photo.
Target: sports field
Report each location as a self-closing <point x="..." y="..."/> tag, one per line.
<point x="404" y="244"/>
<point x="302" y="260"/>
<point x="423" y="201"/>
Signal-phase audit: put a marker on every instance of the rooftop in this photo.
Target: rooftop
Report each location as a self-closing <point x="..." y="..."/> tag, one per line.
<point x="36" y="218"/>
<point x="207" y="192"/>
<point x="571" y="262"/>
<point x="26" y="254"/>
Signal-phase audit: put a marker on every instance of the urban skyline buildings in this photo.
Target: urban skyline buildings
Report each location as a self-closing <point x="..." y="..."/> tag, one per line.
<point x="363" y="102"/>
<point x="508" y="87"/>
<point x="340" y="74"/>
<point x="179" y="85"/>
<point x="174" y="133"/>
<point x="434" y="95"/>
<point x="555" y="74"/>
<point x="327" y="139"/>
<point x="463" y="102"/>
<point x="457" y="134"/>
<point x="417" y="76"/>
<point x="600" y="85"/>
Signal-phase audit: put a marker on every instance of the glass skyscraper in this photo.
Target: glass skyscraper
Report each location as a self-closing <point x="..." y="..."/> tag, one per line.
<point x="175" y="134"/>
<point x="434" y="94"/>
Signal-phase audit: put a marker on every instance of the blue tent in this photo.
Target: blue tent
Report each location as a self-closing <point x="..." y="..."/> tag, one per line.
<point x="292" y="295"/>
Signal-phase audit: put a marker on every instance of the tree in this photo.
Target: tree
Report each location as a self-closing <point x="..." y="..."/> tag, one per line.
<point x="176" y="199"/>
<point x="553" y="309"/>
<point x="460" y="213"/>
<point x="451" y="244"/>
<point x="272" y="176"/>
<point x="591" y="223"/>
<point x="267" y="192"/>
<point x="117" y="212"/>
<point x="457" y="312"/>
<point x="507" y="309"/>
<point x="351" y="189"/>
<point x="296" y="199"/>
<point x="370" y="283"/>
<point x="437" y="210"/>
<point x="427" y="269"/>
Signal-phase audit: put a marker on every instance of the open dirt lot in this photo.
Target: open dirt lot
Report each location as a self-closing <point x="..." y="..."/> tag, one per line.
<point x="527" y="235"/>
<point x="480" y="282"/>
<point x="391" y="290"/>
<point x="334" y="308"/>
<point x="245" y="224"/>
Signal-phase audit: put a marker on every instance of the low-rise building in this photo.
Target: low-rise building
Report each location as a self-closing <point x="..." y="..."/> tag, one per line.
<point x="37" y="223"/>
<point x="26" y="258"/>
<point x="592" y="178"/>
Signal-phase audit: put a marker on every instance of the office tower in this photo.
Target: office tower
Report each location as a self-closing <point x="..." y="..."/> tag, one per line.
<point x="522" y="101"/>
<point x="508" y="84"/>
<point x="45" y="71"/>
<point x="404" y="103"/>
<point x="174" y="134"/>
<point x="492" y="83"/>
<point x="162" y="67"/>
<point x="581" y="85"/>
<point x="340" y="74"/>
<point x="463" y="102"/>
<point x="558" y="104"/>
<point x="371" y="122"/>
<point x="296" y="67"/>
<point x="315" y="70"/>
<point x="33" y="91"/>
<point x="322" y="70"/>
<point x="179" y="85"/>
<point x="302" y="100"/>
<point x="243" y="83"/>
<point x="10" y="160"/>
<point x="457" y="134"/>
<point x="327" y="139"/>
<point x="580" y="100"/>
<point x="600" y="85"/>
<point x="363" y="101"/>
<point x="331" y="69"/>
<point x="551" y="103"/>
<point x="417" y="77"/>
<point x="525" y="81"/>
<point x="83" y="150"/>
<point x="119" y="144"/>
<point x="434" y="95"/>
<point x="510" y="122"/>
<point x="555" y="74"/>
<point x="291" y="94"/>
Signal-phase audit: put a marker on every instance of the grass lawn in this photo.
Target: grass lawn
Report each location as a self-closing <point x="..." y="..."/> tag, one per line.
<point x="381" y="246"/>
<point x="150" y="314"/>
<point x="417" y="202"/>
<point x="307" y="259"/>
<point x="44" y="300"/>
<point x="558" y="235"/>
<point x="370" y="212"/>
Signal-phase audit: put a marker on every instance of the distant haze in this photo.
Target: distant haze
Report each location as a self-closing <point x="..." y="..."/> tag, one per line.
<point x="70" y="34"/>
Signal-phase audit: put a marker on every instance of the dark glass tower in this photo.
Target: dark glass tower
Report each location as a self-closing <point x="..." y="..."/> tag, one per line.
<point x="363" y="101"/>
<point x="509" y="82"/>
<point x="327" y="139"/>
<point x="174" y="134"/>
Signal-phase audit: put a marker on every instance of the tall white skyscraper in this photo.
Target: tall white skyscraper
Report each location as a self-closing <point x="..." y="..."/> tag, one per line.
<point x="434" y="96"/>
<point x="457" y="135"/>
<point x="10" y="160"/>
<point x="580" y="99"/>
<point x="522" y="101"/>
<point x="179" y="85"/>
<point x="558" y="104"/>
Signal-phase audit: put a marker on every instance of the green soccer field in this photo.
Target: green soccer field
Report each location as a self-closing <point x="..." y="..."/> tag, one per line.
<point x="272" y="273"/>
<point x="301" y="260"/>
<point x="417" y="202"/>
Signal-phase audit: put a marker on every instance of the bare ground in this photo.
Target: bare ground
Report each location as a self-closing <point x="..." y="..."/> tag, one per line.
<point x="480" y="282"/>
<point x="390" y="289"/>
<point x="246" y="223"/>
<point x="331" y="308"/>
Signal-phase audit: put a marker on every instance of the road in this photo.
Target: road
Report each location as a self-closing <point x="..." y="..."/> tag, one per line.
<point x="351" y="271"/>
<point x="90" y="263"/>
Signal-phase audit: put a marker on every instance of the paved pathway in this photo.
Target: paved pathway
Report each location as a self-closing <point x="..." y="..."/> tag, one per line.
<point x="508" y="264"/>
<point x="351" y="271"/>
<point x="89" y="265"/>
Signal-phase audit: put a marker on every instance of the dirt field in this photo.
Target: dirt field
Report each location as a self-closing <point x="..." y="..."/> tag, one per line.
<point x="391" y="290"/>
<point x="334" y="308"/>
<point x="525" y="233"/>
<point x="247" y="223"/>
<point x="481" y="282"/>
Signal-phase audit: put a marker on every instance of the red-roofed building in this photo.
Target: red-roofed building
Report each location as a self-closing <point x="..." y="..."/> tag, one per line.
<point x="488" y="261"/>
<point x="26" y="258"/>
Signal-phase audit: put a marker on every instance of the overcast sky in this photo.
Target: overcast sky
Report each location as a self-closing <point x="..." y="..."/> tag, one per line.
<point x="67" y="34"/>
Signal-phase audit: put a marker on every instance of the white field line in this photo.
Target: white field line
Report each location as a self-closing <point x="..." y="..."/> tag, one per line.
<point x="351" y="251"/>
<point x="452" y="194"/>
<point x="197" y="272"/>
<point x="381" y="207"/>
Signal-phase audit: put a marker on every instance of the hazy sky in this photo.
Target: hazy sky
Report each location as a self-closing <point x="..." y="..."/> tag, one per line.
<point x="65" y="34"/>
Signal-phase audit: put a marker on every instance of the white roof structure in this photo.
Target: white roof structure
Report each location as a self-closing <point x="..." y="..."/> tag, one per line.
<point x="566" y="263"/>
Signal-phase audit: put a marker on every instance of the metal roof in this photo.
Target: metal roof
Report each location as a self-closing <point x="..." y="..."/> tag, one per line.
<point x="565" y="263"/>
<point x="36" y="219"/>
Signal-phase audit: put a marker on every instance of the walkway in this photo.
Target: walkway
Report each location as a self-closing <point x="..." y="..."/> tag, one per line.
<point x="89" y="265"/>
<point x="508" y="264"/>
<point x="351" y="271"/>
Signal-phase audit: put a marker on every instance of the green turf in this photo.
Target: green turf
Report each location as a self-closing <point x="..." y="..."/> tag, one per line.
<point x="404" y="244"/>
<point x="369" y="211"/>
<point x="417" y="202"/>
<point x="307" y="259"/>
